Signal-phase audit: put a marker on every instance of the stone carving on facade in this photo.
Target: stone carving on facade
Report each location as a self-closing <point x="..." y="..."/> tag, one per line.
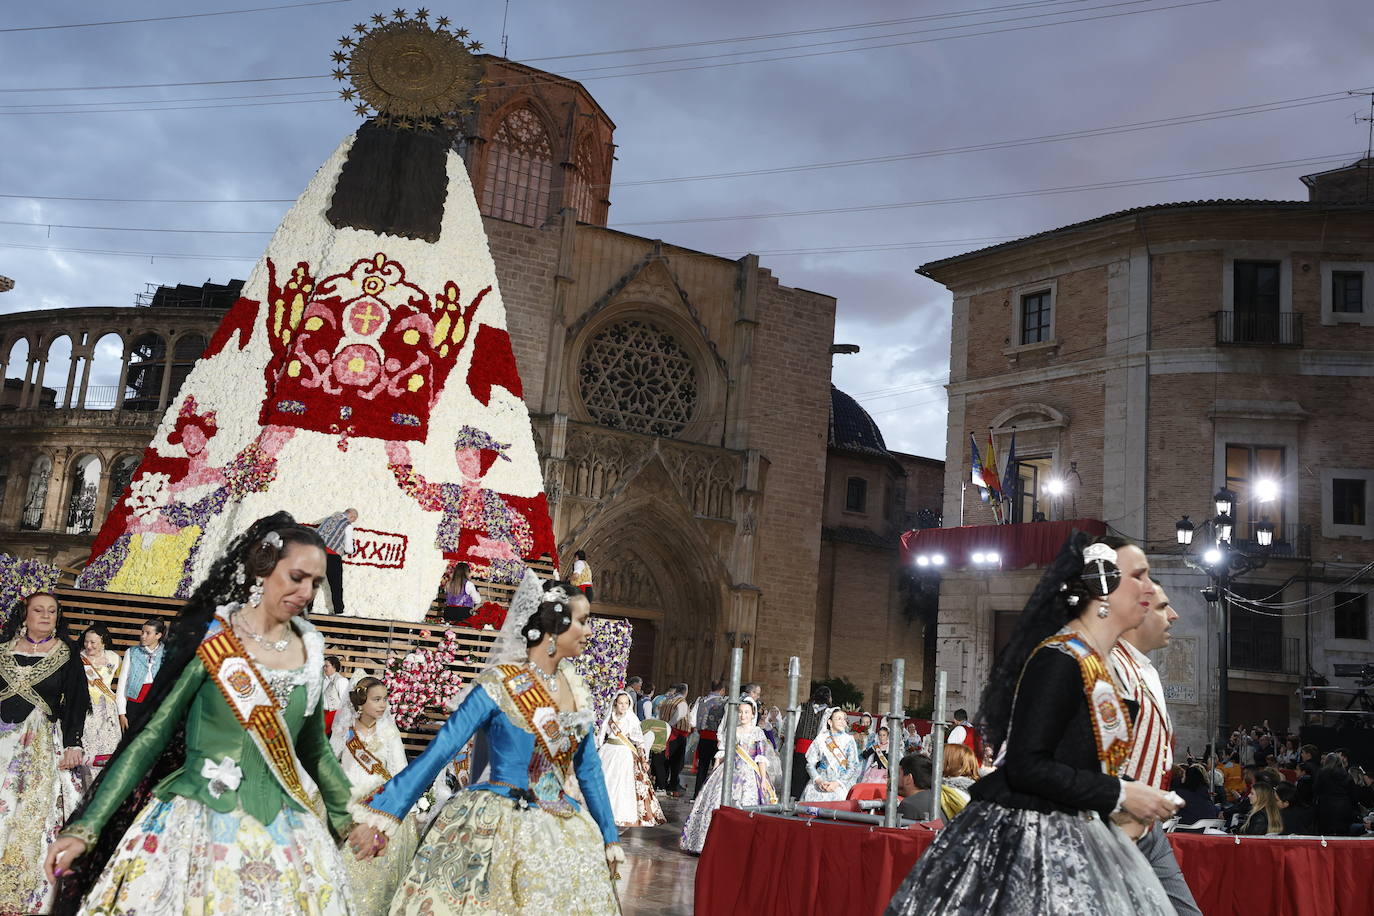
<point x="624" y="579"/>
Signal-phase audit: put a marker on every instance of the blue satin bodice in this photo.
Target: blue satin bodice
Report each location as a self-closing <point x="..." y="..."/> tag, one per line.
<point x="512" y="757"/>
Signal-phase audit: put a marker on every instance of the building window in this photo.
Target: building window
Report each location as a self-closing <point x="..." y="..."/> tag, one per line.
<point x="1347" y="291"/>
<point x="120" y="476"/>
<point x="856" y="495"/>
<point x="1352" y="615"/>
<point x="1028" y="499"/>
<point x="81" y="501"/>
<point x="586" y="184"/>
<point x="1250" y="470"/>
<point x="1345" y="502"/>
<point x="1256" y="639"/>
<point x="1255" y="303"/>
<point x="636" y="376"/>
<point x="1035" y="317"/>
<point x="519" y="174"/>
<point x="1343" y="285"/>
<point x="31" y="519"/>
<point x="1348" y="501"/>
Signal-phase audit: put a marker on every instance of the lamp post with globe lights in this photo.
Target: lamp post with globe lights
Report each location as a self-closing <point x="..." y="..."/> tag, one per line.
<point x="1223" y="562"/>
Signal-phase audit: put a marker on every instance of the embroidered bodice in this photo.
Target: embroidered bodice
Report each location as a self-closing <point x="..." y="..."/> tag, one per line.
<point x="54" y="680"/>
<point x="548" y="770"/>
<point x="281" y="682"/>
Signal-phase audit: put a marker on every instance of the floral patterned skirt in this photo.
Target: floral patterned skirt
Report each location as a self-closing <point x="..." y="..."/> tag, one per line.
<point x="35" y="798"/>
<point x="485" y="855"/>
<point x="374" y="881"/>
<point x="102" y="732"/>
<point x="997" y="860"/>
<point x="180" y="857"/>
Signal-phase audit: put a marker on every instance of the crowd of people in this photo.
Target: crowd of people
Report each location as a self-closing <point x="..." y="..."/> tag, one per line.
<point x="1267" y="784"/>
<point x="215" y="764"/>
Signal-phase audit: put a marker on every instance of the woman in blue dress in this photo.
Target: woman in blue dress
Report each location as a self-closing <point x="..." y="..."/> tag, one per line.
<point x="537" y="835"/>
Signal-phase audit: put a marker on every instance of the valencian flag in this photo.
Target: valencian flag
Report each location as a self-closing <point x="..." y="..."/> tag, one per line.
<point x="366" y="364"/>
<point x="978" y="468"/>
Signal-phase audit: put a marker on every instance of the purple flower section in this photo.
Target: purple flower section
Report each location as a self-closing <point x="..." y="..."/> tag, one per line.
<point x="605" y="661"/>
<point x="21" y="578"/>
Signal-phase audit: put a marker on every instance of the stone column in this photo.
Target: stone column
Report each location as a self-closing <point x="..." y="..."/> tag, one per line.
<point x="741" y="352"/>
<point x="53" y="509"/>
<point x="71" y="378"/>
<point x="87" y="357"/>
<point x="123" y="378"/>
<point x="36" y="390"/>
<point x="166" y="376"/>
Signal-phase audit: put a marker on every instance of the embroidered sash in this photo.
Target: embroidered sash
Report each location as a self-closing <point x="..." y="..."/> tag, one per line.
<point x="540" y="713"/>
<point x="1110" y="719"/>
<point x="372" y="764"/>
<point x="16" y="680"/>
<point x="244" y="689"/>
<point x="767" y="794"/>
<point x="832" y="749"/>
<point x="619" y="737"/>
<point x="95" y="681"/>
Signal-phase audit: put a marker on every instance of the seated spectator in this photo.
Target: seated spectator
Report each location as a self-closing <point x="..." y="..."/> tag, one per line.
<point x="1298" y="817"/>
<point x="1197" y="801"/>
<point x="1265" y="817"/>
<point x="913" y="786"/>
<point x="961" y="767"/>
<point x="1335" y="791"/>
<point x="1233" y="776"/>
<point x="1307" y="759"/>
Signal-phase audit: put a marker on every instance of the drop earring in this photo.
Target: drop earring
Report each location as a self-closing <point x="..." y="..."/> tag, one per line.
<point x="553" y="645"/>
<point x="255" y="592"/>
<point x="1103" y="612"/>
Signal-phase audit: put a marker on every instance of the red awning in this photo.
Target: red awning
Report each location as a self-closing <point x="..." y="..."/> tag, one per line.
<point x="1018" y="546"/>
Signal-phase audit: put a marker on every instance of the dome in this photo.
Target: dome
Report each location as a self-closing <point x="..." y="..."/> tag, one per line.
<point x="851" y="428"/>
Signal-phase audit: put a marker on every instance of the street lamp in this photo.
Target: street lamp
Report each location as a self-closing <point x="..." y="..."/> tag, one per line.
<point x="1223" y="562"/>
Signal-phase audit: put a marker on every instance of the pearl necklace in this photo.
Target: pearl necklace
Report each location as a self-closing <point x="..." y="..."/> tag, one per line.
<point x="279" y="645"/>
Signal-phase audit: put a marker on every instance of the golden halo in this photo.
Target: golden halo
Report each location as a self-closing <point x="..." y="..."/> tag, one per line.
<point x="408" y="70"/>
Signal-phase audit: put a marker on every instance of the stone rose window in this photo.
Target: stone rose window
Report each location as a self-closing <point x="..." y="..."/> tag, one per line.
<point x="636" y="377"/>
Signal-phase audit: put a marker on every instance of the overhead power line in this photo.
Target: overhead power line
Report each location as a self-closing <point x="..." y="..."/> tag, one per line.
<point x="1094" y="186"/>
<point x="1007" y="195"/>
<point x="875" y="24"/>
<point x="707" y="66"/>
<point x="92" y="25"/>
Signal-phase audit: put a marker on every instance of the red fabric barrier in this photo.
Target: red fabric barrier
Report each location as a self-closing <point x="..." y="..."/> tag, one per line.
<point x="867" y="791"/>
<point x="765" y="865"/>
<point x="1029" y="544"/>
<point x="760" y="865"/>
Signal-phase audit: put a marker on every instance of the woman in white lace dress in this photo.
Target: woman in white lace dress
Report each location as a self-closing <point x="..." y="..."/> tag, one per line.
<point x="832" y="761"/>
<point x="370" y="751"/>
<point x="100" y="663"/>
<point x="754" y="782"/>
<point x="624" y="749"/>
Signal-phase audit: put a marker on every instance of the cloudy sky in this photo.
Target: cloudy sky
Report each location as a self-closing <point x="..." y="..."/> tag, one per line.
<point x="987" y="120"/>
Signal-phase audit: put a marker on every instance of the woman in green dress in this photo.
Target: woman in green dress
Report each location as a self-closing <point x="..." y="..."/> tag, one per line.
<point x="205" y="806"/>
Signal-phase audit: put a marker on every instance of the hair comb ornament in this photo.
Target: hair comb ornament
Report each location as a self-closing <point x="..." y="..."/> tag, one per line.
<point x="1100" y="574"/>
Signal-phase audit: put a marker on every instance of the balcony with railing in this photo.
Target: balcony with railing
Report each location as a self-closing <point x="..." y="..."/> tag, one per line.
<point x="1258" y="651"/>
<point x="1291" y="542"/>
<point x="1251" y="329"/>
